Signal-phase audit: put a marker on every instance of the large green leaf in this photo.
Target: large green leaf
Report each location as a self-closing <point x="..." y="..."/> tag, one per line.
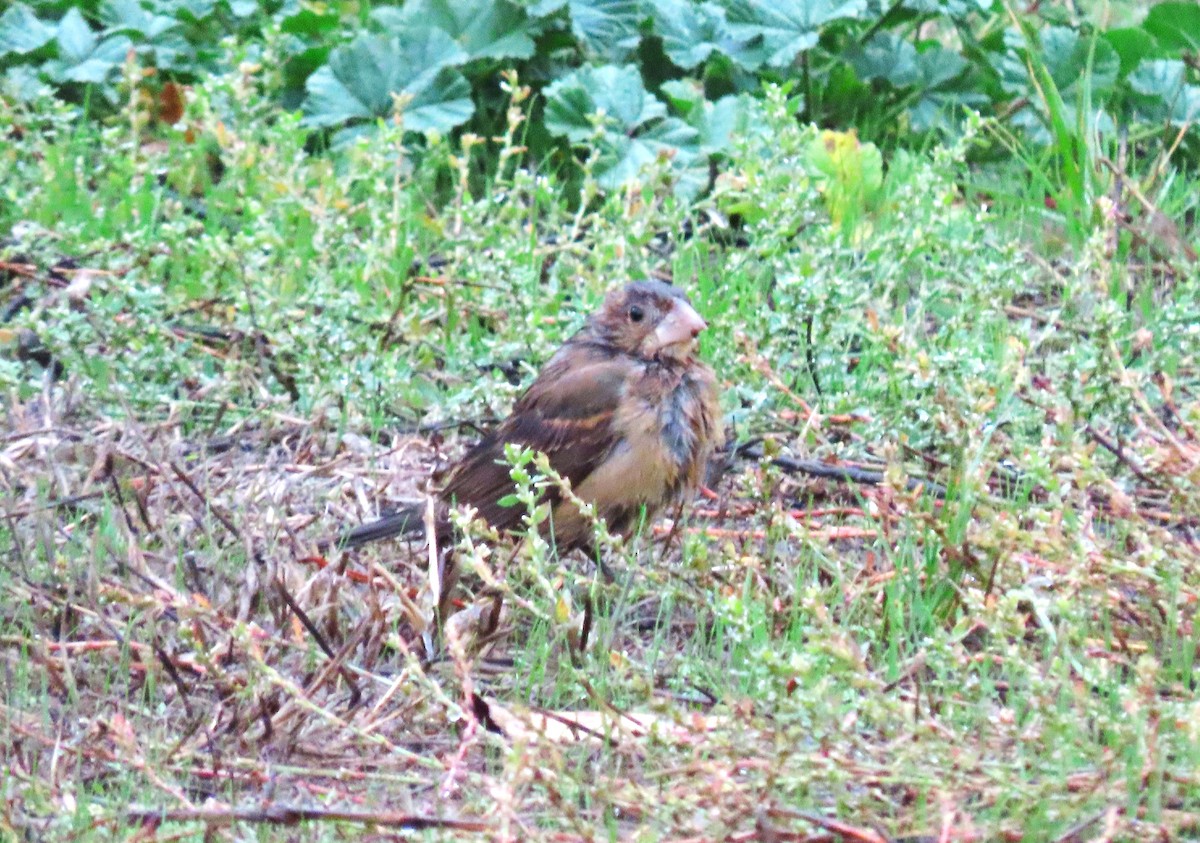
<point x="716" y="123"/>
<point x="934" y="73"/>
<point x="193" y="10"/>
<point x="21" y="31"/>
<point x="310" y="22"/>
<point x="1131" y="45"/>
<point x="779" y="31"/>
<point x="159" y="37"/>
<point x="610" y="29"/>
<point x="1162" y="83"/>
<point x="494" y="29"/>
<point x="360" y="78"/>
<point x="131" y="17"/>
<point x="936" y="66"/>
<point x="956" y="9"/>
<point x="691" y="32"/>
<point x="608" y="107"/>
<point x="623" y="157"/>
<point x="24" y="83"/>
<point x="544" y="8"/>
<point x="614" y="94"/>
<point x="82" y="55"/>
<point x="945" y="89"/>
<point x="1176" y="25"/>
<point x="888" y="57"/>
<point x="1066" y="55"/>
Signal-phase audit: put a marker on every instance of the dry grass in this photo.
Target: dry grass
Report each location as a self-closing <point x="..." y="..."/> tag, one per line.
<point x="191" y="649"/>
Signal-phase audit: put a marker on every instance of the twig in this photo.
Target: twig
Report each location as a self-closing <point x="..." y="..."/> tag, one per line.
<point x="29" y="270"/>
<point x="334" y="658"/>
<point x="1075" y="832"/>
<point x="70" y="500"/>
<point x="187" y="481"/>
<point x="852" y="474"/>
<point x="847" y="831"/>
<point x="294" y="814"/>
<point x="1120" y="453"/>
<point x="826" y="534"/>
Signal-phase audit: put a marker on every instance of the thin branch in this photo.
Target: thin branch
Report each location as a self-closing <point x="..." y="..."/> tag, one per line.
<point x="294" y="814"/>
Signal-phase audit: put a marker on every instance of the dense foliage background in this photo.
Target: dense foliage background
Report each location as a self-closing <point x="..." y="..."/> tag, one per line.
<point x="630" y="80"/>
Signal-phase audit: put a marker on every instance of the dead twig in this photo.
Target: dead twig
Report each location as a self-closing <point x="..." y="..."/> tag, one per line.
<point x="295" y="814"/>
<point x="846" y="473"/>
<point x="1120" y="453"/>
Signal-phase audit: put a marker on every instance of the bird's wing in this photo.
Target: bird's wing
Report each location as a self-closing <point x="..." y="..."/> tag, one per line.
<point x="567" y="414"/>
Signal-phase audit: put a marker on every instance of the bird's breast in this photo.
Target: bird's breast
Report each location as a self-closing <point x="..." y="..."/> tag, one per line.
<point x="665" y="432"/>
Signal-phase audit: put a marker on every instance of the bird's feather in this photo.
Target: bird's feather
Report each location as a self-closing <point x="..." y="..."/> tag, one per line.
<point x="567" y="414"/>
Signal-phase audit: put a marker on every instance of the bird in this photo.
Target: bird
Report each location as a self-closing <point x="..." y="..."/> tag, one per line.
<point x="625" y="411"/>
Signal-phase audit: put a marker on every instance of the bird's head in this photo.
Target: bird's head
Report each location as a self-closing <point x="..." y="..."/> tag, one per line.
<point x="649" y="319"/>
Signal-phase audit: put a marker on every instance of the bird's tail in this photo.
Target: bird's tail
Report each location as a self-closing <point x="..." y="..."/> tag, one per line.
<point x="407" y="521"/>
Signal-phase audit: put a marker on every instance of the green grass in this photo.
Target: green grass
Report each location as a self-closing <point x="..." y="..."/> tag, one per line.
<point x="1016" y="658"/>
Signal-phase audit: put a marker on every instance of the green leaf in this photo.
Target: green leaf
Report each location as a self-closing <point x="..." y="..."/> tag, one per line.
<point x="684" y="95"/>
<point x="76" y="41"/>
<point x="615" y="94"/>
<point x="887" y="57"/>
<point x="934" y="109"/>
<point x="609" y="107"/>
<point x="691" y="32"/>
<point x="310" y="22"/>
<point x="24" y="83"/>
<point x="610" y="29"/>
<point x="936" y="66"/>
<point x="1176" y="25"/>
<point x="193" y="10"/>
<point x="944" y="90"/>
<point x="954" y="9"/>
<point x="495" y="29"/>
<point x="360" y="78"/>
<point x="1166" y="95"/>
<point x="934" y="72"/>
<point x="1161" y="78"/>
<point x="243" y="8"/>
<point x="716" y="123"/>
<point x="130" y="16"/>
<point x="170" y="52"/>
<point x="623" y="157"/>
<point x="21" y="31"/>
<point x="545" y="8"/>
<point x="1131" y="46"/>
<point x="782" y="30"/>
<point x="848" y="174"/>
<point x="1065" y="54"/>
<point x="82" y="56"/>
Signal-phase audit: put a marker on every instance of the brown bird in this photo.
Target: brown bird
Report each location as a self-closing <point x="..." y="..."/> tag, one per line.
<point x="624" y="411"/>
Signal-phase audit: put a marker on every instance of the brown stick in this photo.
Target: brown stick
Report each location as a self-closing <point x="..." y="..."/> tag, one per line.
<point x="191" y="484"/>
<point x="293" y="815"/>
<point x="1119" y="452"/>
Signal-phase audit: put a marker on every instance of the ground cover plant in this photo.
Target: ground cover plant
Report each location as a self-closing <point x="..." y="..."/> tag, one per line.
<point x="221" y="341"/>
<point x="633" y="79"/>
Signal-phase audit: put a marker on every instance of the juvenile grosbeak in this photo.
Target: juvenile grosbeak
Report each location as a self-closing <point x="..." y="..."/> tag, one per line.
<point x="624" y="411"/>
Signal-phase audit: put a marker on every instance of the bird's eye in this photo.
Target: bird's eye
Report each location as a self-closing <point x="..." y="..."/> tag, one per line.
<point x="636" y="314"/>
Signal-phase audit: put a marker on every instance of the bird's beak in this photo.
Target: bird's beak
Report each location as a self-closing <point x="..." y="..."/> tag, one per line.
<point x="679" y="327"/>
